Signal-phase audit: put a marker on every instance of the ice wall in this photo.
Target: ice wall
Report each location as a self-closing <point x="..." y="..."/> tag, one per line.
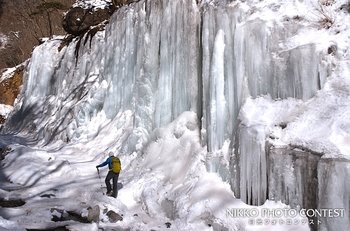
<point x="163" y="57"/>
<point x="252" y="60"/>
<point x="145" y="61"/>
<point x="255" y="63"/>
<point x="158" y="59"/>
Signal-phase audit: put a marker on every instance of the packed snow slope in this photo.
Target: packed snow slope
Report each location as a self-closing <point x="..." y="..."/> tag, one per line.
<point x="162" y="86"/>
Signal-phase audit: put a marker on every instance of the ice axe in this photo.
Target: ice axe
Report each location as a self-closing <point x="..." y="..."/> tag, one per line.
<point x="99" y="176"/>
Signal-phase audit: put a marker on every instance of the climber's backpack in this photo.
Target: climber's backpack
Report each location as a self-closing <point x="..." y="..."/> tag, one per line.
<point x="116" y="165"/>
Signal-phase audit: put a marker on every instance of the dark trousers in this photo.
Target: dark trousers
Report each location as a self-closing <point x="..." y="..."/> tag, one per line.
<point x="112" y="176"/>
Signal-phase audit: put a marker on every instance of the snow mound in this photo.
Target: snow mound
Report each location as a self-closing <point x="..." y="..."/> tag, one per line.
<point x="93" y="4"/>
<point x="6" y="225"/>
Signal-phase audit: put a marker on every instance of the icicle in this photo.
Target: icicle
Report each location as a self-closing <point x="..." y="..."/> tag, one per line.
<point x="253" y="164"/>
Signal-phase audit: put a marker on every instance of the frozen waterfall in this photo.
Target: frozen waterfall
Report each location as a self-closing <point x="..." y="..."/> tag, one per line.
<point x="161" y="58"/>
<point x="158" y="59"/>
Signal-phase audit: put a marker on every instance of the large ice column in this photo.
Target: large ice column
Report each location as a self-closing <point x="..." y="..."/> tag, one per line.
<point x="217" y="114"/>
<point x="252" y="165"/>
<point x="334" y="192"/>
<point x="177" y="85"/>
<point x="220" y="88"/>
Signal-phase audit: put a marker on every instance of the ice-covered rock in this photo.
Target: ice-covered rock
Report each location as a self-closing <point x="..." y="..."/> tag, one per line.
<point x="292" y="176"/>
<point x="334" y="191"/>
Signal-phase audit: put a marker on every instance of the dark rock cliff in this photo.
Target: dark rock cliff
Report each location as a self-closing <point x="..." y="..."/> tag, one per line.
<point x="24" y="22"/>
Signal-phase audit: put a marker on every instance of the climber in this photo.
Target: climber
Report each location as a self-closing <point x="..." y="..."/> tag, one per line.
<point x="114" y="166"/>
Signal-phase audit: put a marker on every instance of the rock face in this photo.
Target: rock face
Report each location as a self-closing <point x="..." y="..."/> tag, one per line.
<point x="10" y="88"/>
<point x="23" y="23"/>
<point x="2" y="119"/>
<point x="292" y="176"/>
<point x="78" y="20"/>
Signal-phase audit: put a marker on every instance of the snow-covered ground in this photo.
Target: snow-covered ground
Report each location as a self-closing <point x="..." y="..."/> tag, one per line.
<point x="165" y="177"/>
<point x="168" y="182"/>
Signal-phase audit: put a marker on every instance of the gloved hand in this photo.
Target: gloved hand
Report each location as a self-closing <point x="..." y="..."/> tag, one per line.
<point x="97" y="167"/>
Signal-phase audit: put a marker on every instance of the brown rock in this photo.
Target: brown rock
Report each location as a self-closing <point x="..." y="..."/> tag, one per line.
<point x="10" y="88"/>
<point x="24" y="22"/>
<point x="2" y="119"/>
<point x="113" y="216"/>
<point x="78" y="20"/>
